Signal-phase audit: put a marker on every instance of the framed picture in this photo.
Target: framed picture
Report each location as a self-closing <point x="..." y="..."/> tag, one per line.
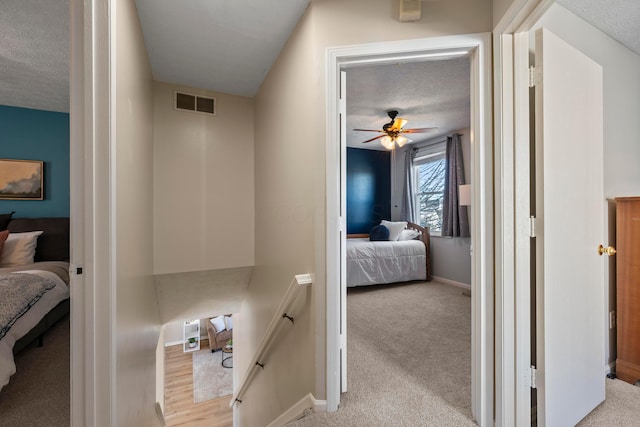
<point x="21" y="179"/>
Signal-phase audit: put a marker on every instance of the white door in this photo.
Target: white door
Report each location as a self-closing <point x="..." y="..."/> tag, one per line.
<point x="343" y="231"/>
<point x="570" y="282"/>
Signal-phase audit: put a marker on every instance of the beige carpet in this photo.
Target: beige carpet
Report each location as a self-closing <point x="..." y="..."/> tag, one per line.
<point x="210" y="379"/>
<point x="409" y="359"/>
<point x="38" y="394"/>
<point x="620" y="409"/>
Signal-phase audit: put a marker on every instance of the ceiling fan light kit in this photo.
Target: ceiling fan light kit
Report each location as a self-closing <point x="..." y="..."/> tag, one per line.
<point x="392" y="132"/>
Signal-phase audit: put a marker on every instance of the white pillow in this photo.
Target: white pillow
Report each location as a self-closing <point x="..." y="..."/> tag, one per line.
<point x="19" y="249"/>
<point x="228" y="321"/>
<point x="395" y="228"/>
<point x="408" y="234"/>
<point x="218" y="323"/>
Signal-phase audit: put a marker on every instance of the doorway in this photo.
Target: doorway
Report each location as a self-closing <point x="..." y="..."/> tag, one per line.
<point x="481" y="219"/>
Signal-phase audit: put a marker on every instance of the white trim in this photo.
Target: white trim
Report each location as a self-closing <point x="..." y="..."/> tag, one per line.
<point x="92" y="320"/>
<point x="522" y="241"/>
<point x="610" y="368"/>
<point x="113" y="200"/>
<point x="296" y="411"/>
<point x="160" y="414"/>
<point x="513" y="395"/>
<point x="451" y="282"/>
<point x="504" y="220"/>
<point x="81" y="383"/>
<point x="320" y="406"/>
<point x="478" y="46"/>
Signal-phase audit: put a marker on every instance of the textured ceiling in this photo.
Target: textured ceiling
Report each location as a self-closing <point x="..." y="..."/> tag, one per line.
<point x="220" y="45"/>
<point x="428" y="94"/>
<point x="34" y="54"/>
<point x="618" y="18"/>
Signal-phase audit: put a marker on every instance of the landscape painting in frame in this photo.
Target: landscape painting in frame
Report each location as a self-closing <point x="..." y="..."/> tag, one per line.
<point x="21" y="179"/>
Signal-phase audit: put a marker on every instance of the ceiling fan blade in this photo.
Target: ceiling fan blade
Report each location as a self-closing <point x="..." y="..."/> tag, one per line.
<point x="369" y="130"/>
<point x="419" y="130"/>
<point x="398" y="124"/>
<point x="373" y="139"/>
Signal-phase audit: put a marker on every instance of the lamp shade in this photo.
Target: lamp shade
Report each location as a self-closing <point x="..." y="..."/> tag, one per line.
<point x="401" y="140"/>
<point x="464" y="193"/>
<point x="387" y="142"/>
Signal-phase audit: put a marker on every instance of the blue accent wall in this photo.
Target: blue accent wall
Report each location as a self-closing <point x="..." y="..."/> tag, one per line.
<point x="368" y="189"/>
<point x="27" y="134"/>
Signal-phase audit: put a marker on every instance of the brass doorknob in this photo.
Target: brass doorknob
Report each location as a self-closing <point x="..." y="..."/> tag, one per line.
<point x="608" y="250"/>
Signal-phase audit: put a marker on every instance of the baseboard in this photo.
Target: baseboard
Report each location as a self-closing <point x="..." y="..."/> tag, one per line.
<point x="160" y="414"/>
<point x="296" y="411"/>
<point x="451" y="282"/>
<point x="172" y="343"/>
<point x="320" y="406"/>
<point x="610" y="368"/>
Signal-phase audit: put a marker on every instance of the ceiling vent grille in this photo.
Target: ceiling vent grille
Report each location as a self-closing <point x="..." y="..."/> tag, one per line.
<point x="199" y="104"/>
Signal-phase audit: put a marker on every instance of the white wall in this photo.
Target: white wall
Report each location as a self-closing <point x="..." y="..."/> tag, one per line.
<point x="450" y="257"/>
<point x="137" y="322"/>
<point x="290" y="184"/>
<point x="203" y="183"/>
<point x="621" y="68"/>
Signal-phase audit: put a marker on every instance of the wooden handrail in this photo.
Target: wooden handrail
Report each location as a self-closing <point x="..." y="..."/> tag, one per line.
<point x="299" y="282"/>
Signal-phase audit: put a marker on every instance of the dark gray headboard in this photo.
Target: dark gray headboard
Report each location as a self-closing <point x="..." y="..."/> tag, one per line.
<point x="53" y="243"/>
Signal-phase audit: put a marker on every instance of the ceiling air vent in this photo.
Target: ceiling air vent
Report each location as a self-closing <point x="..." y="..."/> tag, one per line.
<point x="201" y="104"/>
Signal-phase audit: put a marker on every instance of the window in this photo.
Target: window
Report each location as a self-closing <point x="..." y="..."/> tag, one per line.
<point x="429" y="172"/>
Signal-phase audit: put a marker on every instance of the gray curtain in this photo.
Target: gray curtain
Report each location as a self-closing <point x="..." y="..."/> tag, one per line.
<point x="407" y="211"/>
<point x="455" y="221"/>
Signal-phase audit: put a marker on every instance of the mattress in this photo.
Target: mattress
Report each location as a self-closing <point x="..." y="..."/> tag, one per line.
<point x="59" y="292"/>
<point x="370" y="263"/>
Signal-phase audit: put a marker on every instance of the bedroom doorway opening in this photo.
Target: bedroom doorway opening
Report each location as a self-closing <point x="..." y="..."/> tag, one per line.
<point x="476" y="49"/>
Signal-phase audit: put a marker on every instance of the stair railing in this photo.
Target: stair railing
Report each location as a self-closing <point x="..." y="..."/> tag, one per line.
<point x="281" y="316"/>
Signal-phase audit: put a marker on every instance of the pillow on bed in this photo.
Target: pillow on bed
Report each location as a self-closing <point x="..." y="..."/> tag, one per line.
<point x="3" y="236"/>
<point x="408" y="234"/>
<point x="5" y="219"/>
<point x="218" y="323"/>
<point x="19" y="249"/>
<point x="379" y="233"/>
<point x="395" y="228"/>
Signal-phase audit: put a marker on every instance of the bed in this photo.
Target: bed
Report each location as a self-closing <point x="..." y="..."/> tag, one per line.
<point x="34" y="294"/>
<point x="384" y="262"/>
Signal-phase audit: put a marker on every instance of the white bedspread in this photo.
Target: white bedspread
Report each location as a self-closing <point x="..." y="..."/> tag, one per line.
<point x="370" y="263"/>
<point x="27" y="321"/>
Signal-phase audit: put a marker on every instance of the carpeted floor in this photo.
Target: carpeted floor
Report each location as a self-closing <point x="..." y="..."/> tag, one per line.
<point x="409" y="363"/>
<point x="210" y="379"/>
<point x="620" y="409"/>
<point x="408" y="366"/>
<point x="409" y="358"/>
<point x="39" y="394"/>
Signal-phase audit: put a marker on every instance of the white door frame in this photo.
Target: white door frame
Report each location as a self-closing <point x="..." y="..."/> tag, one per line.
<point x="482" y="229"/>
<point x="513" y="302"/>
<point x="92" y="317"/>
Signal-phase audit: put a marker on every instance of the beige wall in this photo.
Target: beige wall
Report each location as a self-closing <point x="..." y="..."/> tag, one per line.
<point x="500" y="7"/>
<point x="137" y="322"/>
<point x="203" y="184"/>
<point x="290" y="184"/>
